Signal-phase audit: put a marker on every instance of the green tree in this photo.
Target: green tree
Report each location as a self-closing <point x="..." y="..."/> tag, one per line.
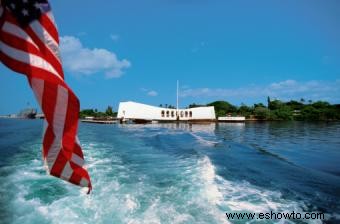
<point x="193" y="105"/>
<point x="330" y="113"/>
<point x="261" y="113"/>
<point x="268" y="101"/>
<point x="259" y="105"/>
<point x="244" y="110"/>
<point x="320" y="104"/>
<point x="109" y="111"/>
<point x="222" y="108"/>
<point x="283" y="113"/>
<point x="87" y="113"/>
<point x="275" y="104"/>
<point x="295" y="105"/>
<point x="310" y="113"/>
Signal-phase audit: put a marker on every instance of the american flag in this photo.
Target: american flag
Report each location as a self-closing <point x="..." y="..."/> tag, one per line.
<point x="29" y="45"/>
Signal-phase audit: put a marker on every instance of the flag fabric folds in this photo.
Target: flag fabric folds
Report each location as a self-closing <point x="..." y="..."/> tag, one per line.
<point x="29" y="44"/>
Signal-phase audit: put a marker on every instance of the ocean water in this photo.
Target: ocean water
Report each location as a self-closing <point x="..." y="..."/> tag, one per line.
<point x="175" y="173"/>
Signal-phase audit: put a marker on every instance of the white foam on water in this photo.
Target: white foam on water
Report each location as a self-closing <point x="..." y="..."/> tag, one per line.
<point x="204" y="141"/>
<point x="244" y="197"/>
<point x="207" y="175"/>
<point x="160" y="212"/>
<point x="131" y="203"/>
<point x="121" y="195"/>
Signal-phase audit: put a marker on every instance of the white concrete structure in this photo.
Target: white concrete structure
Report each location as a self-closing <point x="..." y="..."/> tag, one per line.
<point x="138" y="111"/>
<point x="231" y="119"/>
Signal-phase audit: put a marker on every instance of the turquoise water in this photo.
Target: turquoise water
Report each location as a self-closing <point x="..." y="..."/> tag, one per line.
<point x="168" y="173"/>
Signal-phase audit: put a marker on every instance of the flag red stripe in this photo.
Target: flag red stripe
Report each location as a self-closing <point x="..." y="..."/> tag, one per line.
<point x="78" y="170"/>
<point x="34" y="51"/>
<point x="59" y="164"/>
<point x="71" y="124"/>
<point x="75" y="178"/>
<point x="44" y="21"/>
<point x="17" y="43"/>
<point x="77" y="151"/>
<point x="48" y="55"/>
<point x="49" y="27"/>
<point x="35" y="72"/>
<point x="48" y="102"/>
<point x="30" y="70"/>
<point x="26" y="46"/>
<point x="48" y="140"/>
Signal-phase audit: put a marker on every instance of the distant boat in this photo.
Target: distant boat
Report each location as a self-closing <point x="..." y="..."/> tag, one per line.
<point x="40" y="116"/>
<point x="28" y="113"/>
<point x="141" y="121"/>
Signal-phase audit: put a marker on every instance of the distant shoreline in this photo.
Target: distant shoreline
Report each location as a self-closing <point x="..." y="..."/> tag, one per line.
<point x="116" y="120"/>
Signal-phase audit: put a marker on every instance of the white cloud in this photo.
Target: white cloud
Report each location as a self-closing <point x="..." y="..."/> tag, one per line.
<point x="285" y="90"/>
<point x="149" y="92"/>
<point x="152" y="93"/>
<point x="114" y="37"/>
<point x="85" y="61"/>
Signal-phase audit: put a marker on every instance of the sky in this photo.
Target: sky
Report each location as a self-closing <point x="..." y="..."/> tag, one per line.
<point x="237" y="51"/>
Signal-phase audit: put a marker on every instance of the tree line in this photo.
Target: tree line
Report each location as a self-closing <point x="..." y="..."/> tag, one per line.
<point x="280" y="110"/>
<point x="107" y="114"/>
<point x="274" y="110"/>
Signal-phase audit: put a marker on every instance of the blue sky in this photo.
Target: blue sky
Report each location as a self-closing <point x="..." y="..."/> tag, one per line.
<point x="238" y="51"/>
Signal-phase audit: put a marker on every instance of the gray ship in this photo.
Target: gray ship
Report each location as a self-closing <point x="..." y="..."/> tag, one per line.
<point x="28" y="113"/>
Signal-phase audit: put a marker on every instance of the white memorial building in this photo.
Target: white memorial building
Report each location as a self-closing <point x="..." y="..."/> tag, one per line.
<point x="146" y="113"/>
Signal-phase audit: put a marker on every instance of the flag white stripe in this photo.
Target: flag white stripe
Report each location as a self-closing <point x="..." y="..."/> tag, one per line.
<point x="53" y="152"/>
<point x="18" y="32"/>
<point x="45" y="125"/>
<point x="77" y="140"/>
<point x="46" y="38"/>
<point x="37" y="49"/>
<point x="30" y="59"/>
<point x="38" y="88"/>
<point x="77" y="160"/>
<point x="51" y="17"/>
<point x="60" y="111"/>
<point x="67" y="172"/>
<point x="84" y="182"/>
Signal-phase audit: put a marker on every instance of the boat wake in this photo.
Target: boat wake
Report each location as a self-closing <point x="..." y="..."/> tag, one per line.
<point x="133" y="182"/>
<point x="204" y="141"/>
